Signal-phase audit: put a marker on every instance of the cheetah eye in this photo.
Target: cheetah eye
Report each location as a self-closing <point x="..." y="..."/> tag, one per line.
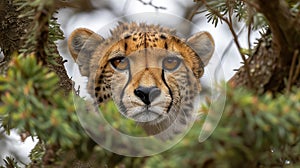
<point x="120" y="63"/>
<point x="171" y="63"/>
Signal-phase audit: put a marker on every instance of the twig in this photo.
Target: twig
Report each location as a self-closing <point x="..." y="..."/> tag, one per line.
<point x="249" y="31"/>
<point x="194" y="11"/>
<point x="251" y="4"/>
<point x="235" y="37"/>
<point x="151" y="4"/>
<point x="297" y="72"/>
<point x="248" y="38"/>
<point x="290" y="80"/>
<point x="2" y="62"/>
<point x="229" y="12"/>
<point x="227" y="49"/>
<point x="3" y="67"/>
<point x="77" y="92"/>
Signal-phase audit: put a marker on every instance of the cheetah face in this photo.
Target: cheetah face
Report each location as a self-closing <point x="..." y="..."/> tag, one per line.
<point x="150" y="73"/>
<point x="146" y="84"/>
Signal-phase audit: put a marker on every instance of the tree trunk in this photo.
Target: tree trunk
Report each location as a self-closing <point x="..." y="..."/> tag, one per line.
<point x="275" y="64"/>
<point x="12" y="30"/>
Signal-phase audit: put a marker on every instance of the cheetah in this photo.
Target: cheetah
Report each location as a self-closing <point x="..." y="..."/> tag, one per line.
<point x="150" y="73"/>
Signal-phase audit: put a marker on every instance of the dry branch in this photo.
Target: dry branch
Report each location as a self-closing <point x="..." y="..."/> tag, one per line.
<point x="150" y="3"/>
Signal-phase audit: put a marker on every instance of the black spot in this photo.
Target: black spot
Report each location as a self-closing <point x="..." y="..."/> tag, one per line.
<point x="99" y="81"/>
<point x="155" y="38"/>
<point x="154" y="45"/>
<point x="100" y="99"/>
<point x="125" y="46"/>
<point x="97" y="88"/>
<point x="105" y="97"/>
<point x="134" y="38"/>
<point x="127" y="36"/>
<point x="166" y="46"/>
<point x="96" y="94"/>
<point x="162" y="36"/>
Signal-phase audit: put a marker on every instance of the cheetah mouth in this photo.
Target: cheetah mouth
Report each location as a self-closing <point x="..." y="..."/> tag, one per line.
<point x="146" y="116"/>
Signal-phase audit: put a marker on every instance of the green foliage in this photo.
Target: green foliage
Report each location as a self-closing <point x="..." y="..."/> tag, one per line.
<point x="10" y="163"/>
<point x="119" y="122"/>
<point x="222" y="9"/>
<point x="32" y="102"/>
<point x="37" y="153"/>
<point x="254" y="131"/>
<point x="295" y="7"/>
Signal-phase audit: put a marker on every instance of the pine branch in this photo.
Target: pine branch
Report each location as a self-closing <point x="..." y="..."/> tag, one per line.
<point x="40" y="39"/>
<point x="229" y="23"/>
<point x="193" y="11"/>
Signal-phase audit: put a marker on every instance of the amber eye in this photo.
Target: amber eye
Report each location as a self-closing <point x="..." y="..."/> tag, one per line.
<point x="120" y="63"/>
<point x="171" y="63"/>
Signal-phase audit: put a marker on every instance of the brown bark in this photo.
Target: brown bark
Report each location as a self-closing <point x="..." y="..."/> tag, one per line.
<point x="13" y="33"/>
<point x="12" y="29"/>
<point x="270" y="65"/>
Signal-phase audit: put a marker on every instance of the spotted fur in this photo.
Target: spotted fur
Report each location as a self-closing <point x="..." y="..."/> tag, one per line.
<point x="147" y="52"/>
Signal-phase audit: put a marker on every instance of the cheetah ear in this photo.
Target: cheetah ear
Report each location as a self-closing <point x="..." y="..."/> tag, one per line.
<point x="203" y="44"/>
<point x="82" y="43"/>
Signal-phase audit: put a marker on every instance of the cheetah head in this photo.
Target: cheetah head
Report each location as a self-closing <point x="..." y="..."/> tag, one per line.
<point x="151" y="74"/>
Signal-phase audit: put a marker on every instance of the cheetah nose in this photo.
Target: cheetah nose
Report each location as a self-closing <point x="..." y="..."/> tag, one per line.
<point x="147" y="94"/>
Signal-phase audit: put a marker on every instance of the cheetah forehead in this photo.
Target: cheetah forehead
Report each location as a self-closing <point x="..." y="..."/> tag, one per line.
<point x="133" y="36"/>
<point x="126" y="29"/>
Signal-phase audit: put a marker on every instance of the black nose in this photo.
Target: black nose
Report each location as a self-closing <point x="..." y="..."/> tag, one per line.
<point x="147" y="94"/>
